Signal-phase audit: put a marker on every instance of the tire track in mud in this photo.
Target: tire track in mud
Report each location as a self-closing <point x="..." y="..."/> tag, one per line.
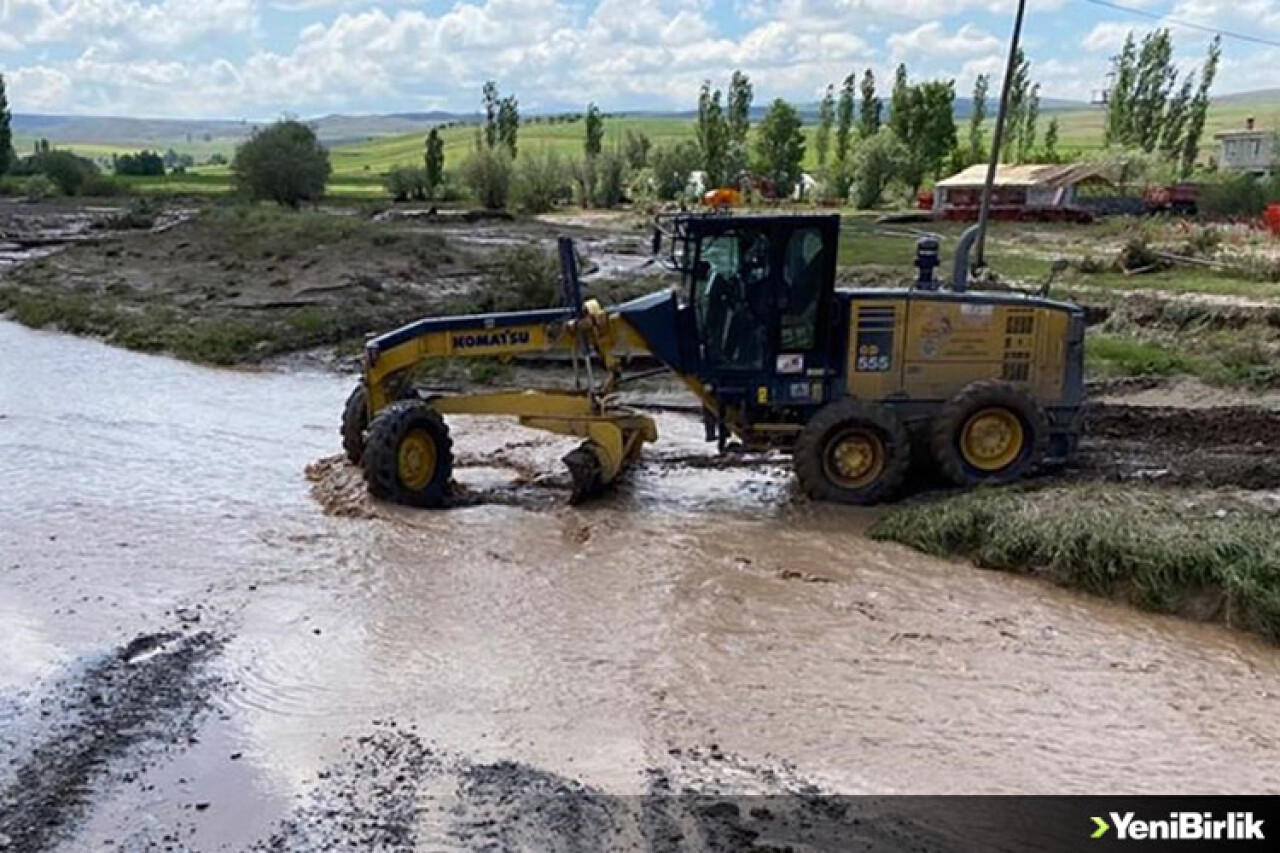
<point x="1236" y="446"/>
<point x="102" y="719"/>
<point x="392" y="791"/>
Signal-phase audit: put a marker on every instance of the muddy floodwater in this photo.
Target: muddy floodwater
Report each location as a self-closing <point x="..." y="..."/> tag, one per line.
<point x="701" y="624"/>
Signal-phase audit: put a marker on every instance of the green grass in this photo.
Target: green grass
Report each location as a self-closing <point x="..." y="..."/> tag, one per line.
<point x="1160" y="550"/>
<point x="1111" y="355"/>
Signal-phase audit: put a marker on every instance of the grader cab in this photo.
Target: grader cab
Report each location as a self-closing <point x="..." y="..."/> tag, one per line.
<point x="988" y="385"/>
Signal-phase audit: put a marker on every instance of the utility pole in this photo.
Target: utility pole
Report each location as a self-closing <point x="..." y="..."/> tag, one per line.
<point x="997" y="139"/>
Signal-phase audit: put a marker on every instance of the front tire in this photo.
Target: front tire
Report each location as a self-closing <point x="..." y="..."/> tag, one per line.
<point x="991" y="432"/>
<point x="355" y="420"/>
<point x="408" y="455"/>
<point x="852" y="453"/>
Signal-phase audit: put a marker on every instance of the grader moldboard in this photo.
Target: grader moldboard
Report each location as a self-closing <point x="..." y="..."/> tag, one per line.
<point x="990" y="384"/>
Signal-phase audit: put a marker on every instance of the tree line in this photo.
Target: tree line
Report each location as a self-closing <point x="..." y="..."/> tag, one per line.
<point x="863" y="142"/>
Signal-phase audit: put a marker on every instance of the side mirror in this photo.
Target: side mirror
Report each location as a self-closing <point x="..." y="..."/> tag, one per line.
<point x="657" y="240"/>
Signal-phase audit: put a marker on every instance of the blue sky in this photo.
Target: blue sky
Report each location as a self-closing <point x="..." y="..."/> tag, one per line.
<point x="261" y="58"/>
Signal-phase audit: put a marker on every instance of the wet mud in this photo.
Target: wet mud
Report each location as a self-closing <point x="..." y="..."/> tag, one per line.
<point x="394" y="791"/>
<point x="108" y="716"/>
<point x="1237" y="446"/>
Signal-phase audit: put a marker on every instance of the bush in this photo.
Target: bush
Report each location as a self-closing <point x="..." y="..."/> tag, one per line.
<point x="1138" y="254"/>
<point x="487" y="173"/>
<point x="103" y="186"/>
<point x="147" y="163"/>
<point x="1233" y="195"/>
<point x="406" y="182"/>
<point x="284" y="163"/>
<point x="540" y="181"/>
<point x="38" y="188"/>
<point x="1202" y="242"/>
<point x="610" y="180"/>
<point x="672" y="165"/>
<point x="67" y="171"/>
<point x="526" y="277"/>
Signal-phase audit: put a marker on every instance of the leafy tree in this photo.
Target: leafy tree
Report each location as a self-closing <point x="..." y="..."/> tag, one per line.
<point x="1155" y="80"/>
<point x="933" y="129"/>
<point x="900" y="104"/>
<point x="7" y="157"/>
<point x="870" y="106"/>
<point x="595" y="131"/>
<point x="489" y="95"/>
<point x="837" y="183"/>
<point x="487" y="173"/>
<point x="923" y="120"/>
<point x="1148" y="110"/>
<point x="712" y="136"/>
<point x="284" y="163"/>
<point x="738" y="115"/>
<point x="826" y="118"/>
<point x="1030" y="118"/>
<point x="672" y="165"/>
<point x="780" y="146"/>
<point x="1173" y="130"/>
<point x="1199" y="108"/>
<point x="509" y="123"/>
<point x="1016" y="113"/>
<point x="1124" y="67"/>
<point x="635" y="147"/>
<point x="433" y="162"/>
<point x="1051" y="141"/>
<point x="979" y="115"/>
<point x="878" y="159"/>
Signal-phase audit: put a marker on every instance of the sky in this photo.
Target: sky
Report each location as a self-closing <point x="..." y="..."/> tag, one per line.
<point x="258" y="59"/>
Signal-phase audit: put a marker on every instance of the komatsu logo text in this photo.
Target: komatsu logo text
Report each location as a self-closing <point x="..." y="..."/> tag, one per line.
<point x="505" y="338"/>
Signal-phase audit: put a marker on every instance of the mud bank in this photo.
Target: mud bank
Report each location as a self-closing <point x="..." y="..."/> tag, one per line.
<point x="104" y="719"/>
<point x="240" y="284"/>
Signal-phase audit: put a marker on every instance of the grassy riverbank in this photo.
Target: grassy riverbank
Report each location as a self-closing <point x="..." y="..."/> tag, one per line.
<point x="1204" y="555"/>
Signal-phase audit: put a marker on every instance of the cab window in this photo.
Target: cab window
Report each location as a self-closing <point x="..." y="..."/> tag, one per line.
<point x="730" y="293"/>
<point x="803" y="268"/>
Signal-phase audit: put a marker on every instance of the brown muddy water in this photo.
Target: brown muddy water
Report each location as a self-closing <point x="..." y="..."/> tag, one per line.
<point x="701" y="626"/>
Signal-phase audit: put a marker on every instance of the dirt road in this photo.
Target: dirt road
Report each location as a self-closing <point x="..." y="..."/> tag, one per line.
<point x="199" y="654"/>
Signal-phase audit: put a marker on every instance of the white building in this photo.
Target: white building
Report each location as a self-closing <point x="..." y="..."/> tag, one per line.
<point x="1250" y="150"/>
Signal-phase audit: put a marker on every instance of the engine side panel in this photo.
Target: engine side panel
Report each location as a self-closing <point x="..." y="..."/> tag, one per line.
<point x="920" y="346"/>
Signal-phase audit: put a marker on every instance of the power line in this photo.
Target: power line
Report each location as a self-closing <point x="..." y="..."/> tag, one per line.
<point x="1187" y="24"/>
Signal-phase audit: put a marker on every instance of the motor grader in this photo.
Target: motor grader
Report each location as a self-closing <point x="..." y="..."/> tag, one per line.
<point x="985" y="384"/>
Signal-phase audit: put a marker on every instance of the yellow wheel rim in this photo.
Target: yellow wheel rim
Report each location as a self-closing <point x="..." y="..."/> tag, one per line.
<point x="855" y="458"/>
<point x="992" y="439"/>
<point x="416" y="462"/>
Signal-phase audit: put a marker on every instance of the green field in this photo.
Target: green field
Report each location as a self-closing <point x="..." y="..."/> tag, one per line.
<point x="358" y="166"/>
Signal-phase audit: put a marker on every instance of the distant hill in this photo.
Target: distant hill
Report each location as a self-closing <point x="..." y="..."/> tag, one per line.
<point x="334" y="129"/>
<point x="364" y="144"/>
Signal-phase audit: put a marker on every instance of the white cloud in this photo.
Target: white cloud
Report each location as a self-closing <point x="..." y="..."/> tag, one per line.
<point x="1107" y="36"/>
<point x="171" y="23"/>
<point x="240" y="58"/>
<point x="932" y="39"/>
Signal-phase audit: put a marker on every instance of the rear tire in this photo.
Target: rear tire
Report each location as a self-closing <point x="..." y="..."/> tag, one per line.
<point x="408" y="455"/>
<point x="853" y="453"/>
<point x="355" y="420"/>
<point x="991" y="432"/>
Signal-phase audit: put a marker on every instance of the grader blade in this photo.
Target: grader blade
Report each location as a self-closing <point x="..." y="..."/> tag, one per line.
<point x="587" y="473"/>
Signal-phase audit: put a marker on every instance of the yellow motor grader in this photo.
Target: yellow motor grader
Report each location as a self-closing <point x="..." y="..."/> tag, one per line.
<point x="988" y="384"/>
